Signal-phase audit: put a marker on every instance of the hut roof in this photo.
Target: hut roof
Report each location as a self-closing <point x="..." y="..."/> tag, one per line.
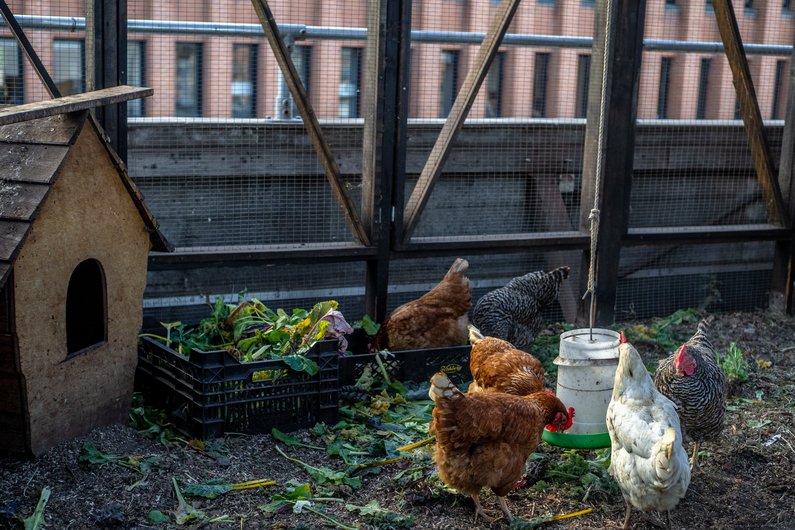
<point x="34" y="143"/>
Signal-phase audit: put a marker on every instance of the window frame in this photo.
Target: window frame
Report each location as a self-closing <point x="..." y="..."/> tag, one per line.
<point x="253" y="58"/>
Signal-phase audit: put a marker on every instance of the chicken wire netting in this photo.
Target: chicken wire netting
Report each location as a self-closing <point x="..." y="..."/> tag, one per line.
<point x="693" y="163"/>
<point x="224" y="161"/>
<point x="655" y="281"/>
<point x="514" y="168"/>
<point x="220" y="151"/>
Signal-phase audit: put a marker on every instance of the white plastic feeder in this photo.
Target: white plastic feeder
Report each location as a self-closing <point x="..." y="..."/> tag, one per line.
<point x="587" y="365"/>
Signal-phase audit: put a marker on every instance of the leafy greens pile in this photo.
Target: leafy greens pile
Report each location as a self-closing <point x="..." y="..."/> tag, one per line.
<point x="250" y="331"/>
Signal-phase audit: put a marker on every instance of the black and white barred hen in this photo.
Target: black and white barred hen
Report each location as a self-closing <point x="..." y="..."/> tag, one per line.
<point x="513" y="312"/>
<point x="693" y="380"/>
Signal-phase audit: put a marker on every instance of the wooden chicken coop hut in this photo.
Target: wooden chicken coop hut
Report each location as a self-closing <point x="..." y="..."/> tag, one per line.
<point x="74" y="240"/>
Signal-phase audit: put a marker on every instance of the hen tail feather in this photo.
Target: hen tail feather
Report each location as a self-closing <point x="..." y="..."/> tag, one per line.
<point x="442" y="387"/>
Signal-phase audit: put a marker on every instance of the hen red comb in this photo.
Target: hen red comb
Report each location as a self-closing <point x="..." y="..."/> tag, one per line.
<point x="622" y="339"/>
<point x="571" y="418"/>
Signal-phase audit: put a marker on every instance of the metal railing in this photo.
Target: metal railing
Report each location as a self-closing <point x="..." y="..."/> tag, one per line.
<point x="305" y="32"/>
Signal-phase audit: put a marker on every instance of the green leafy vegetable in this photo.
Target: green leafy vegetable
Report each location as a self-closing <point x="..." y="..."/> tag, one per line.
<point x="286" y="439"/>
<point x="158" y="517"/>
<point x="35" y="521"/>
<point x="185" y="513"/>
<point x="734" y="364"/>
<point x="381" y="518"/>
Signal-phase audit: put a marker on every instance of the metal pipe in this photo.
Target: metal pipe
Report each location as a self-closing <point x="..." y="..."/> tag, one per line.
<point x="304" y="32"/>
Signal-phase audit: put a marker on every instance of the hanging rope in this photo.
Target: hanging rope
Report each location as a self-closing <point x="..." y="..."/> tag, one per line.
<point x="594" y="215"/>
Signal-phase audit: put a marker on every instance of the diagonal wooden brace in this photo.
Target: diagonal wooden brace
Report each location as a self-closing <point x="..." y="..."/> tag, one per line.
<point x="752" y="117"/>
<point x="298" y="92"/>
<point x="463" y="102"/>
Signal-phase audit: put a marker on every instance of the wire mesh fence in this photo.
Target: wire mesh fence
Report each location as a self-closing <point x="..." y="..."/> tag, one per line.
<point x="224" y="160"/>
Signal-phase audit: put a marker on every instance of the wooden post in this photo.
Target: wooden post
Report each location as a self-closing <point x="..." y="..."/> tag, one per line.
<point x="106" y="64"/>
<point x="383" y="123"/>
<point x="298" y="92"/>
<point x="783" y="262"/>
<point x="463" y="102"/>
<point x="622" y="82"/>
<point x="744" y="85"/>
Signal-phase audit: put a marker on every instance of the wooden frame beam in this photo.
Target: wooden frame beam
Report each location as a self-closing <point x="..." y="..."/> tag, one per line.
<point x="298" y="92"/>
<point x="783" y="285"/>
<point x="752" y="117"/>
<point x="622" y="82"/>
<point x="106" y="64"/>
<point x="463" y="102"/>
<point x="77" y="102"/>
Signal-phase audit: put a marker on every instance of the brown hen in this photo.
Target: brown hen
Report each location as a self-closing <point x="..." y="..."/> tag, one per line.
<point x="436" y="319"/>
<point x="496" y="365"/>
<point x="483" y="439"/>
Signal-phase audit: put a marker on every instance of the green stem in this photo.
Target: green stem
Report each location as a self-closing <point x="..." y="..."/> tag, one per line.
<point x="296" y="461"/>
<point x="331" y="519"/>
<point x="382" y="368"/>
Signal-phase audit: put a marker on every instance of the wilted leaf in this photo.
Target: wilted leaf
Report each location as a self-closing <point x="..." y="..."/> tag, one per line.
<point x="209" y="489"/>
<point x="299" y="363"/>
<point x="158" y="517"/>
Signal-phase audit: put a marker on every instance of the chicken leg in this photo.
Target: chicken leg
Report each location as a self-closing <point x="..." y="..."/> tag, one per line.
<point x="480" y="511"/>
<point x="626" y="517"/>
<point x="504" y="507"/>
<point x="694" y="460"/>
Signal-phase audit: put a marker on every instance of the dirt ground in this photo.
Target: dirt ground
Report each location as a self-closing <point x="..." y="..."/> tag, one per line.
<point x="746" y="480"/>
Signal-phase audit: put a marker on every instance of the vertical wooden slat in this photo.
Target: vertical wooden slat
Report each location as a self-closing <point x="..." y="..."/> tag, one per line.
<point x="30" y="52"/>
<point x="623" y="74"/>
<point x="298" y="92"/>
<point x="106" y="64"/>
<point x="744" y="85"/>
<point x="386" y="102"/>
<point x="783" y="261"/>
<point x="463" y="102"/>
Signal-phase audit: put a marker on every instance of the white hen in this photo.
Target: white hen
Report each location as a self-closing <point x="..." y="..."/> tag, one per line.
<point x="647" y="457"/>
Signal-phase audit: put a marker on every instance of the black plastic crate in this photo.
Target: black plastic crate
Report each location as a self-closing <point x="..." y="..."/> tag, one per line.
<point x="211" y="393"/>
<point x="408" y="365"/>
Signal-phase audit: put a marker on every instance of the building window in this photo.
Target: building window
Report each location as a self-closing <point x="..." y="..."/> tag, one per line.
<point x="540" y="85"/>
<point x="86" y="320"/>
<point x="703" y="89"/>
<point x="135" y="76"/>
<point x="786" y="5"/>
<point x="11" y="89"/>
<point x="302" y="59"/>
<point x="777" y="89"/>
<point x="665" y="82"/>
<point x="350" y="82"/>
<point x="494" y="87"/>
<point x="68" y="66"/>
<point x="244" y="80"/>
<point x="449" y="88"/>
<point x="583" y="78"/>
<point x="189" y="79"/>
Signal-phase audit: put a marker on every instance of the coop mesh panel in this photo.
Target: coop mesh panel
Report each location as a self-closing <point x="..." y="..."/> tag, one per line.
<point x="58" y="42"/>
<point x="693" y="162"/>
<point x="220" y="151"/>
<point x="186" y="295"/>
<point x="514" y="167"/>
<point x="223" y="159"/>
<point x="656" y="281"/>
